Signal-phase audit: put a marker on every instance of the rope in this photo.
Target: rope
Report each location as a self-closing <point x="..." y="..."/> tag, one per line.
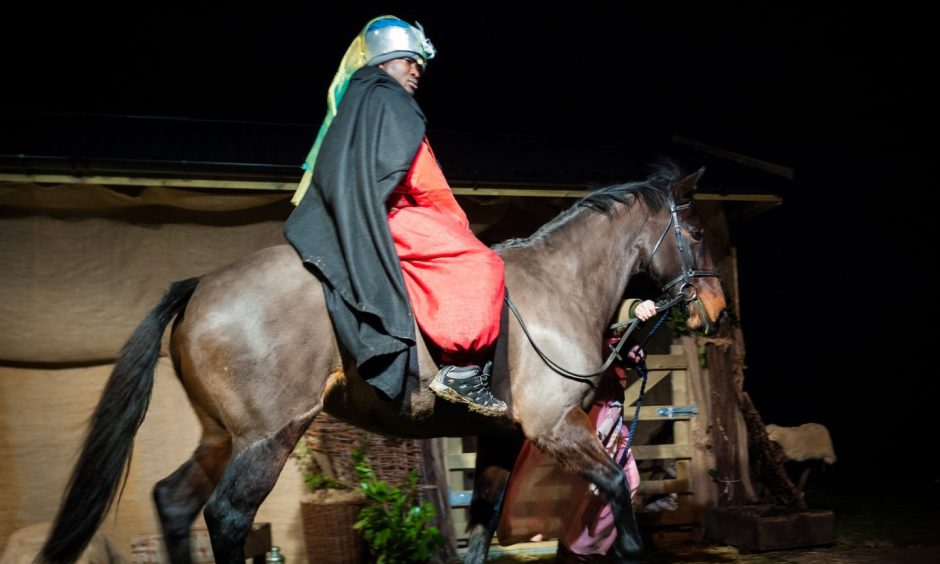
<point x="642" y="371"/>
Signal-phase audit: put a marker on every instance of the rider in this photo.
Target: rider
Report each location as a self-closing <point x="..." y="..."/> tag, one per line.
<point x="383" y="232"/>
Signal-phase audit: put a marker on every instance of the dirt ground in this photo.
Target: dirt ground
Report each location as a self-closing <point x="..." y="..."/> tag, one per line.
<point x="902" y="526"/>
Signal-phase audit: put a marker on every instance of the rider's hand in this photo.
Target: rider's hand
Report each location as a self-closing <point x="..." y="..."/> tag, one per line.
<point x="645" y="310"/>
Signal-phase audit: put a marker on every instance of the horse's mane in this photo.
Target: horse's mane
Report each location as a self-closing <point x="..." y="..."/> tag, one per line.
<point x="655" y="191"/>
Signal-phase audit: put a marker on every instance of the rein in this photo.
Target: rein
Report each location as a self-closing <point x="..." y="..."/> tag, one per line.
<point x="686" y="293"/>
<point x="661" y="307"/>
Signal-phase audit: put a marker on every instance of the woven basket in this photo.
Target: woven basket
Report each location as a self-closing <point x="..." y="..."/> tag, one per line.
<point x="329" y="534"/>
<point x="389" y="457"/>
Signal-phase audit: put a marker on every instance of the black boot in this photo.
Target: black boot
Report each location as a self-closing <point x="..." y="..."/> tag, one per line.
<point x="469" y="385"/>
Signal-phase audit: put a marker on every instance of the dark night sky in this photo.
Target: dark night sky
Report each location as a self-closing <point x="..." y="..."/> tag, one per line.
<point x="831" y="280"/>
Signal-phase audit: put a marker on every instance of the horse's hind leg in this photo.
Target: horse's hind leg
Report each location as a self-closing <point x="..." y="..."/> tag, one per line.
<point x="495" y="459"/>
<point x="181" y="495"/>
<point x="575" y="445"/>
<point x="247" y="480"/>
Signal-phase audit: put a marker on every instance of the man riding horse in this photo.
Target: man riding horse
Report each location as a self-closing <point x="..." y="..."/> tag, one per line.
<point x="383" y="232"/>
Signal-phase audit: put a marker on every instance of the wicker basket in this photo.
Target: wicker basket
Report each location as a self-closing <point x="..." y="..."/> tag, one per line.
<point x="391" y="458"/>
<point x="329" y="534"/>
<point x="327" y="524"/>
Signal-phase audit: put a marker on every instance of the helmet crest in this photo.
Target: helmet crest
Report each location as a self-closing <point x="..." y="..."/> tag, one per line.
<point x="388" y="37"/>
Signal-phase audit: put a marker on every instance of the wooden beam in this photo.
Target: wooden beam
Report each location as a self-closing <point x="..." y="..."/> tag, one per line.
<point x="219" y="184"/>
<point x="659" y="487"/>
<point x="632" y="393"/>
<point x="464" y="461"/>
<point x="665" y="518"/>
<point x="135" y="181"/>
<point x="666" y="362"/>
<point x="765" y="166"/>
<point x="650" y="452"/>
<point x="761" y="198"/>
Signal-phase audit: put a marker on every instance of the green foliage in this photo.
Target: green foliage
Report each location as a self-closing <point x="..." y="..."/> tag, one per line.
<point x="676" y="322"/>
<point x="395" y="523"/>
<point x="317" y="471"/>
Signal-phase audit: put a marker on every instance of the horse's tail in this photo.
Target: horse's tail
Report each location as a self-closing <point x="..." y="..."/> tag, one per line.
<point x="107" y="447"/>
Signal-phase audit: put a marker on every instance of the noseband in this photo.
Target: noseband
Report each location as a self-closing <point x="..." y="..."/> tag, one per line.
<point x="686" y="289"/>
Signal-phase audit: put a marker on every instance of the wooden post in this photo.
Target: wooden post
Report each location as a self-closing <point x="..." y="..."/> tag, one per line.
<point x="704" y="490"/>
<point x="728" y="432"/>
<point x="435" y="476"/>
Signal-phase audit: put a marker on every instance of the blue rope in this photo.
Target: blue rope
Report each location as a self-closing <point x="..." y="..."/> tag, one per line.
<point x="640" y="367"/>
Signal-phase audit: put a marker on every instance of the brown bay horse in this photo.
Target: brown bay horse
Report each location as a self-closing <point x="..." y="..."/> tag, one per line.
<point x="254" y="349"/>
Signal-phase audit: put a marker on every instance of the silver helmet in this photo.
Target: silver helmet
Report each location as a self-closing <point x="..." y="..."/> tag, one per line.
<point x="388" y="37"/>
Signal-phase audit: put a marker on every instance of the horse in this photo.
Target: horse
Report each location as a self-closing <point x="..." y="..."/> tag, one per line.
<point x="254" y="349"/>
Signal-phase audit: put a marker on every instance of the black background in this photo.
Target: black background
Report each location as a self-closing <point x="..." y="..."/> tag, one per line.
<point x="836" y="284"/>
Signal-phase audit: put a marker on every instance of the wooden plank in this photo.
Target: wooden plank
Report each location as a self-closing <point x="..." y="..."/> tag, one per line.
<point x="681" y="430"/>
<point x="518" y="549"/>
<point x="682" y="470"/>
<point x="524" y="548"/>
<point x="135" y="181"/>
<point x="685" y="501"/>
<point x="666" y="362"/>
<point x="658" y="487"/>
<point x="632" y="393"/>
<point x="519" y="191"/>
<point x="455" y="482"/>
<point x="768" y="199"/>
<point x="675" y="534"/>
<point x="463" y="461"/>
<point x="649" y="452"/>
<point x="665" y="518"/>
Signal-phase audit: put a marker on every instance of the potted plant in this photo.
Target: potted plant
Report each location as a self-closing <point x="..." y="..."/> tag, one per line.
<point x="395" y="522"/>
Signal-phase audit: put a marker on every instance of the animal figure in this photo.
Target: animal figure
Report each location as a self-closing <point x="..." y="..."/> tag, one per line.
<point x="254" y="349"/>
<point x="803" y="445"/>
<point x="809" y="441"/>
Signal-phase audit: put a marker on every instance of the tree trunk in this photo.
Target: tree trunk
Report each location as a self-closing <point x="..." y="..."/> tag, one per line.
<point x="728" y="431"/>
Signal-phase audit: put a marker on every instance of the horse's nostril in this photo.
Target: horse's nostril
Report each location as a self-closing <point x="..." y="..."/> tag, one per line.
<point x="722" y="317"/>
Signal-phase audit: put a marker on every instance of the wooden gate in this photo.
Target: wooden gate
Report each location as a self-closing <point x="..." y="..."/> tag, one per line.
<point x="670" y="372"/>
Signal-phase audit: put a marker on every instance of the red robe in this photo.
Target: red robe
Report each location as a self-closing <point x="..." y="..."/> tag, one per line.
<point x="454" y="281"/>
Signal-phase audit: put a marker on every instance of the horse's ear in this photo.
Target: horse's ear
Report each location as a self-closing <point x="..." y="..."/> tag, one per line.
<point x="682" y="190"/>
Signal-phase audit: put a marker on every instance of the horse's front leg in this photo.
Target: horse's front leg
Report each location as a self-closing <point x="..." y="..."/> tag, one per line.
<point x="495" y="459"/>
<point x="573" y="442"/>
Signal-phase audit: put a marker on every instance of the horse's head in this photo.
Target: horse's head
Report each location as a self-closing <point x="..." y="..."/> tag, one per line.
<point x="679" y="258"/>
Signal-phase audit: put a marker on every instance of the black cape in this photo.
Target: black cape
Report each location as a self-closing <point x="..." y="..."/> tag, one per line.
<point x="340" y="228"/>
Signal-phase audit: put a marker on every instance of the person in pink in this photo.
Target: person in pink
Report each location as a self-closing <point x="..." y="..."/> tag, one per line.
<point x="543" y="501"/>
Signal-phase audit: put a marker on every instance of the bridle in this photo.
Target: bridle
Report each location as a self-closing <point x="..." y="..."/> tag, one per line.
<point x="687" y="272"/>
<point x="686" y="290"/>
<point x="686" y="293"/>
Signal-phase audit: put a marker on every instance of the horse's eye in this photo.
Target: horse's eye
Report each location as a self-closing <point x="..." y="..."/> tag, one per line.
<point x="696" y="234"/>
